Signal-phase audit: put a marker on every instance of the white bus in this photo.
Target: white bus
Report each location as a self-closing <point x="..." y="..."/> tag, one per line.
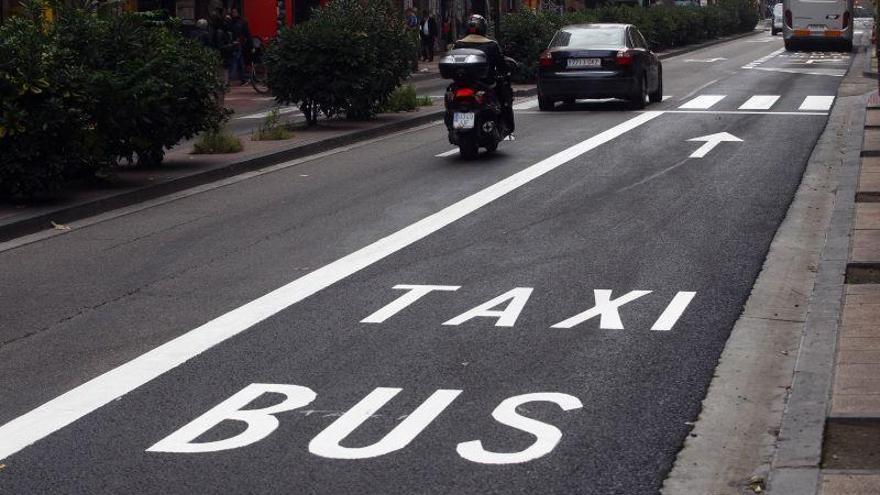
<point x="817" y="23"/>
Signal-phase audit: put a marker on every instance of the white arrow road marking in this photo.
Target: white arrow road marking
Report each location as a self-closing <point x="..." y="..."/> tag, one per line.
<point x="97" y="392"/>
<point x="705" y="60"/>
<point x="712" y="140"/>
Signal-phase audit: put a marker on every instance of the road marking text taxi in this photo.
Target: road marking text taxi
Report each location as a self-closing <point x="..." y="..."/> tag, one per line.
<point x="506" y="308"/>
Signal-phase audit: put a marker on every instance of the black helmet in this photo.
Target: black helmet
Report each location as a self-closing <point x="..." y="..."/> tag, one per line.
<point x="477" y="25"/>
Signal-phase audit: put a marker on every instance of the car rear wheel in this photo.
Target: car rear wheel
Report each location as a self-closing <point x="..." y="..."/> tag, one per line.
<point x="545" y="104"/>
<point x="639" y="98"/>
<point x="657" y="96"/>
<point x="848" y="46"/>
<point x="789" y="46"/>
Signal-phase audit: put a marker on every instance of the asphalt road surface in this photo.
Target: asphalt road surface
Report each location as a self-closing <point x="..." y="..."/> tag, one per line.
<point x="382" y="319"/>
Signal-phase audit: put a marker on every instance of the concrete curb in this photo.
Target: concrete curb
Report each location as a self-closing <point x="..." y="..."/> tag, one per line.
<point x="65" y="214"/>
<point x="868" y="72"/>
<point x="796" y="464"/>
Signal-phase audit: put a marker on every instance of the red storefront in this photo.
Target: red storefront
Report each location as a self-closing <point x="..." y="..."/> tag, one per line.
<point x="266" y="16"/>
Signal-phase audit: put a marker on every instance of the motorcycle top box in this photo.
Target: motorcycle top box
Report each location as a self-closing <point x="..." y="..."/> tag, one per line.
<point x="464" y="64"/>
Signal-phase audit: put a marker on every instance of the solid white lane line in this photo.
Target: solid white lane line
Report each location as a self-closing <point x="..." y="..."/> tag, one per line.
<point x="746" y="112"/>
<point x="759" y="102"/>
<point x="447" y="153"/>
<point x="703" y="102"/>
<point x="86" y="398"/>
<point x="817" y="103"/>
<point x="667" y="97"/>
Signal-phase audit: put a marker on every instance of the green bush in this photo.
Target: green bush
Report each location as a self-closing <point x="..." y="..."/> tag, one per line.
<point x="44" y="139"/>
<point x="347" y="59"/>
<point x="217" y="141"/>
<point x="405" y="99"/>
<point x="272" y="128"/>
<point x="526" y="33"/>
<point x="87" y="90"/>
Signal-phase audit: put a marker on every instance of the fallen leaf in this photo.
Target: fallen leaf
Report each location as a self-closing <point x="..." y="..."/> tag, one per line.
<point x="757" y="484"/>
<point x="58" y="226"/>
<point x="2" y="466"/>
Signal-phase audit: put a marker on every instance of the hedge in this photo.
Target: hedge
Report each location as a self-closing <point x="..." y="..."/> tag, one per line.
<point x="88" y="90"/>
<point x="347" y="59"/>
<point x="526" y="33"/>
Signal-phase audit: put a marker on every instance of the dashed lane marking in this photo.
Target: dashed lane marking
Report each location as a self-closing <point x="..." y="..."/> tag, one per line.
<point x="702" y="102"/>
<point x="815" y="103"/>
<point x="759" y="102"/>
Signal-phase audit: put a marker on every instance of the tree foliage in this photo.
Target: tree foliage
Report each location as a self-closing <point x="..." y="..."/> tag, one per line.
<point x="87" y="90"/>
<point x="347" y="59"/>
<point x="526" y="33"/>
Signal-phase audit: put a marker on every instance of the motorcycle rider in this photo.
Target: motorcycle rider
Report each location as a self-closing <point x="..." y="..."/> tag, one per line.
<point x="476" y="39"/>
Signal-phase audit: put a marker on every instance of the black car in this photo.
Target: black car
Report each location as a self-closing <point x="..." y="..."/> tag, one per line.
<point x="599" y="61"/>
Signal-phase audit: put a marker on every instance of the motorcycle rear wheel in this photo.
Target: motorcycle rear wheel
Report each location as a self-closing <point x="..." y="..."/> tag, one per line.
<point x="468" y="147"/>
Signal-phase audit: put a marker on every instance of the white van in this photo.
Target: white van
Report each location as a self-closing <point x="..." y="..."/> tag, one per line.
<point x="817" y="23"/>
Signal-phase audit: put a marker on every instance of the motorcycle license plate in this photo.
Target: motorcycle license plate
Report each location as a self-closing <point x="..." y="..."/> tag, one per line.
<point x="463" y="120"/>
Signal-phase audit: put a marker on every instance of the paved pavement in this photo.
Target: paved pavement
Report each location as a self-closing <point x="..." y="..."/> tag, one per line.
<point x="393" y="319"/>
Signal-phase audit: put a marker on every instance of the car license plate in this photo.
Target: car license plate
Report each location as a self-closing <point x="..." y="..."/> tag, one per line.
<point x="463" y="120"/>
<point x="816" y="27"/>
<point x="574" y="63"/>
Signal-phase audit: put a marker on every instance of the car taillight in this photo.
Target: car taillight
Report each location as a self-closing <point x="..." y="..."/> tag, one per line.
<point x="788" y="19"/>
<point x="845" y="20"/>
<point x="546" y="59"/>
<point x="624" y="58"/>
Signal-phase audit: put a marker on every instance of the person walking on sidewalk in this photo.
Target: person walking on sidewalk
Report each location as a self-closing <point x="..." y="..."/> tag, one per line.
<point x="428" y="33"/>
<point x="241" y="41"/>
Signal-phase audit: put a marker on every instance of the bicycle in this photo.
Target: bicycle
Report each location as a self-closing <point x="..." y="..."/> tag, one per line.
<point x="259" y="74"/>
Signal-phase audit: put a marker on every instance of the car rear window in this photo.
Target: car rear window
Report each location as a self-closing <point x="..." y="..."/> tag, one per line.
<point x="586" y="38"/>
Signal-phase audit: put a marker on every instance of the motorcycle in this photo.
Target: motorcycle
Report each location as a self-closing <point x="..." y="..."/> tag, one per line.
<point x="474" y="111"/>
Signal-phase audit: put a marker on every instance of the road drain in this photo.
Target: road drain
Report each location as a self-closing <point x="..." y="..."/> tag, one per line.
<point x="863" y="273"/>
<point x="851" y="443"/>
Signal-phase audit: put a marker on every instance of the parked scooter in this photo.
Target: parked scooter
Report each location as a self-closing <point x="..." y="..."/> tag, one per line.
<point x="473" y="109"/>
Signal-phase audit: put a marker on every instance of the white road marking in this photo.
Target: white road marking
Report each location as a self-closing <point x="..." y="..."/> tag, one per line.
<point x="747" y="112"/>
<point x="673" y="312"/>
<point x="753" y="64"/>
<point x="705" y="60"/>
<point x="667" y="97"/>
<point x="817" y="103"/>
<point x="86" y="398"/>
<point x="526" y="105"/>
<point x="703" y="102"/>
<point x="759" y="102"/>
<point x="263" y="115"/>
<point x="711" y="141"/>
<point x="808" y="72"/>
<point x="447" y="153"/>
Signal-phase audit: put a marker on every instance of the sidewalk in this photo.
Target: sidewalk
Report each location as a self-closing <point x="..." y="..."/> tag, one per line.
<point x="851" y="452"/>
<point x="830" y="438"/>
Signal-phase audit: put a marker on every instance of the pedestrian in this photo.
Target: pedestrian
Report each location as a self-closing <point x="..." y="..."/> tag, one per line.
<point x="447" y="30"/>
<point x="241" y="41"/>
<point x="222" y="41"/>
<point x="412" y="21"/>
<point x="428" y="34"/>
